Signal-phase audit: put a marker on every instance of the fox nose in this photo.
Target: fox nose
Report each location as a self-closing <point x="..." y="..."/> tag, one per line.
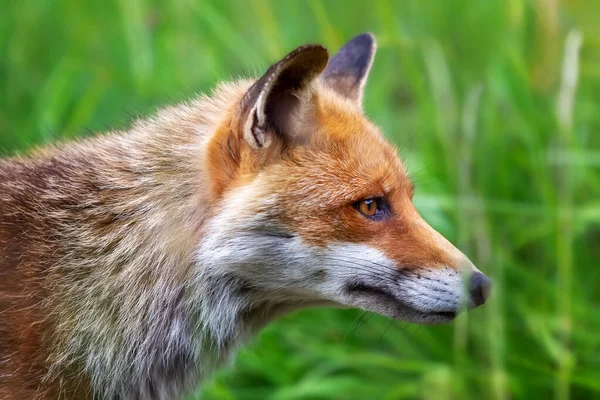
<point x="480" y="287"/>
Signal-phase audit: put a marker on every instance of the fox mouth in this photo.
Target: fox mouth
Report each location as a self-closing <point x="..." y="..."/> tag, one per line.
<point x="390" y="305"/>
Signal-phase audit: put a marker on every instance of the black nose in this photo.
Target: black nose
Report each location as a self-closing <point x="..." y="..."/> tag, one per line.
<point x="480" y="287"/>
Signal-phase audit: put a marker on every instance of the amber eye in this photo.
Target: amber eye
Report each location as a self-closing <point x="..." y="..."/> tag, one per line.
<point x="374" y="208"/>
<point x="368" y="207"/>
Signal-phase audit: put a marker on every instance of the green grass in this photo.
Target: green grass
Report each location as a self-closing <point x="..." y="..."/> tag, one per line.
<point x="469" y="89"/>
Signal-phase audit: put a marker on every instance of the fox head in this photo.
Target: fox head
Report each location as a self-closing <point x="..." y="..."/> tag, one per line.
<point x="313" y="206"/>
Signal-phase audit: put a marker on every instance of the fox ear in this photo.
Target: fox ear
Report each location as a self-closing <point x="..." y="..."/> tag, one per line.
<point x="348" y="70"/>
<point x="277" y="103"/>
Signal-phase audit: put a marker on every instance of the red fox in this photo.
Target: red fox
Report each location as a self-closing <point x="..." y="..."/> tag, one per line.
<point x="132" y="264"/>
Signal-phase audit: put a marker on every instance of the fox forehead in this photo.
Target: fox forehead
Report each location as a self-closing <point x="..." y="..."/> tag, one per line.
<point x="346" y="160"/>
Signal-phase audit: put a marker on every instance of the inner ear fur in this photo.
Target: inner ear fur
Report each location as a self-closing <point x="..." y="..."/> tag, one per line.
<point x="280" y="100"/>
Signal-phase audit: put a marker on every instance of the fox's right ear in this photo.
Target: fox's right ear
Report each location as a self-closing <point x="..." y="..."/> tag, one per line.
<point x="348" y="70"/>
<point x="279" y="101"/>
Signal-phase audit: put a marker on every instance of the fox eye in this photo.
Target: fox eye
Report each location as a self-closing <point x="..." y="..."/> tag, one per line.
<point x="373" y="208"/>
<point x="368" y="207"/>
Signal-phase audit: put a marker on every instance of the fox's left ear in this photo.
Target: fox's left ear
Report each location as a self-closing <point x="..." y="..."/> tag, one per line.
<point x="279" y="102"/>
<point x="348" y="70"/>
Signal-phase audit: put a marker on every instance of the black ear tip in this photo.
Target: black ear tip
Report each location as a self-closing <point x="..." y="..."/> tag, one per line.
<point x="309" y="54"/>
<point x="317" y="48"/>
<point x="319" y="52"/>
<point x="366" y="40"/>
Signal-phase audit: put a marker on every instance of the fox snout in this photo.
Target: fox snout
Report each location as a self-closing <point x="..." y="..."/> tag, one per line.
<point x="476" y="284"/>
<point x="427" y="294"/>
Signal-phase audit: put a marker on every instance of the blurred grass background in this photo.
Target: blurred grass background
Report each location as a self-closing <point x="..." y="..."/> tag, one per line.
<point x="496" y="104"/>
